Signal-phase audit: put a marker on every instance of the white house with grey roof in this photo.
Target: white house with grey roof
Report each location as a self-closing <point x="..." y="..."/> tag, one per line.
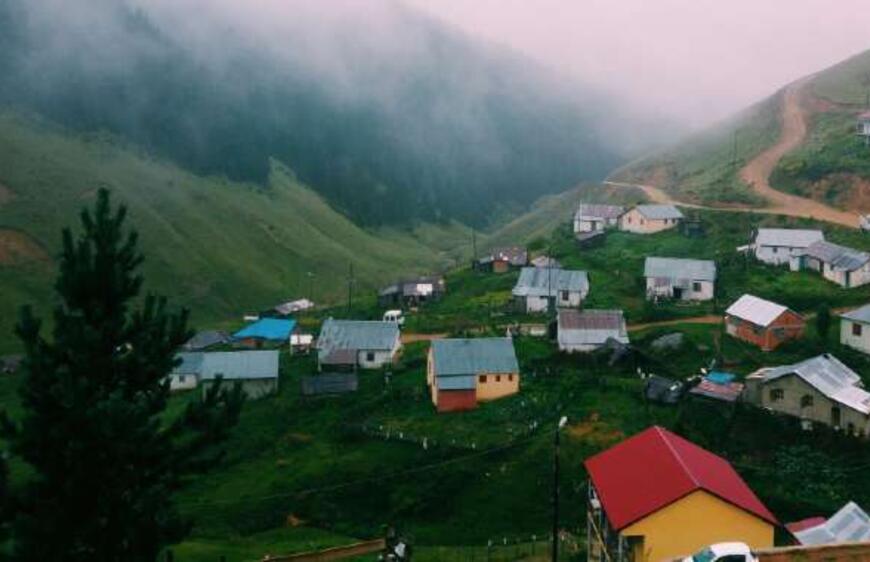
<point x="776" y="246"/>
<point x="538" y="287"/>
<point x="679" y="278"/>
<point x="592" y="217"/>
<point x="256" y="371"/>
<point x="185" y="375"/>
<point x="850" y="524"/>
<point x="822" y="390"/>
<point x="588" y="330"/>
<point x="844" y="266"/>
<point x="462" y="372"/>
<point x="351" y="344"/>
<point x="855" y="329"/>
<point x="649" y="219"/>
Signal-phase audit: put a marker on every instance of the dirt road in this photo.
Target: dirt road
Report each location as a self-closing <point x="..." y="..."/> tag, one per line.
<point x="756" y="173"/>
<point x="710" y="319"/>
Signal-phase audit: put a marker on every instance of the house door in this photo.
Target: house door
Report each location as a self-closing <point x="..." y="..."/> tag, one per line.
<point x="678" y="292"/>
<point x="835" y="416"/>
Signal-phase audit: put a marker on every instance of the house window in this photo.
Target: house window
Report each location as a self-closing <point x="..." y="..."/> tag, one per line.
<point x="835" y="416"/>
<point x="850" y="428"/>
<point x="775" y="250"/>
<point x="482" y="379"/>
<point x="806" y="401"/>
<point x="776" y="394"/>
<point x="511" y="378"/>
<point x="370" y="356"/>
<point x="565" y="295"/>
<point x="856" y="329"/>
<point x="696" y="287"/>
<point x="498" y="378"/>
<point x="181" y="379"/>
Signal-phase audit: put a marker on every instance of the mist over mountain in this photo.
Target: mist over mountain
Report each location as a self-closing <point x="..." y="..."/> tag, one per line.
<point x="391" y="115"/>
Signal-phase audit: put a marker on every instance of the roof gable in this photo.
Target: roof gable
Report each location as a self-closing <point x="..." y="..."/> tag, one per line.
<point x="828" y="375"/>
<point x="345" y="336"/>
<point x="680" y="268"/>
<point x="655" y="468"/>
<point x="788" y="237"/>
<point x="753" y="309"/>
<point x="858" y="315"/>
<point x="543" y="281"/>
<point x="464" y="357"/>
<point x="268" y="329"/>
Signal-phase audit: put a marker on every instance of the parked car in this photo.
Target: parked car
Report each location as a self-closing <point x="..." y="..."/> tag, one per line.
<point x="394" y="316"/>
<point x="723" y="552"/>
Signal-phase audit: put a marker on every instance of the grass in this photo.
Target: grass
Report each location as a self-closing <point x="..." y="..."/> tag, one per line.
<point x="221" y="248"/>
<point x="704" y="168"/>
<point x="846" y="83"/>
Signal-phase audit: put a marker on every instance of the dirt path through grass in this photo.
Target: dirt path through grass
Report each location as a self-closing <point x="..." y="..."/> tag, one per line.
<point x="708" y="319"/>
<point x="756" y="173"/>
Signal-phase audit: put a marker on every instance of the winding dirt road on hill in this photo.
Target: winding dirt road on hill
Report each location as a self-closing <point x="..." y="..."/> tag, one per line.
<point x="756" y="173"/>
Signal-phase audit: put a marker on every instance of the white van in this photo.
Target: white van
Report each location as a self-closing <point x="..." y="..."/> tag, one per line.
<point x="394" y="316"/>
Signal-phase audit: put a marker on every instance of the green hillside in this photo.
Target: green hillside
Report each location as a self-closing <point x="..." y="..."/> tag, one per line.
<point x="833" y="164"/>
<point x="219" y="247"/>
<point x="704" y="167"/>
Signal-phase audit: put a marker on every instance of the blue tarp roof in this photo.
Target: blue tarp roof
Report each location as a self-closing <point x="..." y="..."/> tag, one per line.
<point x="719" y="377"/>
<point x="267" y="329"/>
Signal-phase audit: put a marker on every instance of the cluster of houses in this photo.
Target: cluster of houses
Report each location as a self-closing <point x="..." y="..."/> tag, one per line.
<point x="645" y="488"/>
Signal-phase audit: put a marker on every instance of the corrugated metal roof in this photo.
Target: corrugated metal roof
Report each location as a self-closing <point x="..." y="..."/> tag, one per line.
<point x="330" y="383"/>
<point x="458" y="357"/>
<point x="543" y="281"/>
<point x="546" y="261"/>
<point x="273" y="329"/>
<point x="591" y="327"/>
<point x="756" y="310"/>
<point x="291" y="307"/>
<point x="659" y="212"/>
<point x="788" y="237"/>
<point x="202" y="340"/>
<point x="859" y="314"/>
<point x="727" y="392"/>
<point x="849" y="524"/>
<point x="421" y="286"/>
<point x="464" y="382"/>
<point x="680" y="268"/>
<point x="828" y="375"/>
<point x="191" y="363"/>
<point x="838" y="257"/>
<point x="655" y="468"/>
<point x="516" y="255"/>
<point x="240" y="365"/>
<point x="348" y="336"/>
<point x="596" y="211"/>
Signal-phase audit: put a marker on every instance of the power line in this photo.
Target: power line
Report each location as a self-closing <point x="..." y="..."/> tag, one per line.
<point x="350" y="483"/>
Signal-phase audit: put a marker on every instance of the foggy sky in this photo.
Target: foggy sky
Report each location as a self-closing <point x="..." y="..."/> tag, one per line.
<point x="694" y="60"/>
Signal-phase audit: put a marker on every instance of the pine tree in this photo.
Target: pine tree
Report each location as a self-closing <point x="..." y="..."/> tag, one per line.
<point x="105" y="460"/>
<point x="823" y="322"/>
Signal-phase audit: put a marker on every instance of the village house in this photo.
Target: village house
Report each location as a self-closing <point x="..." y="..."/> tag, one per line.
<point x="588" y="330"/>
<point x="293" y="307"/>
<point x="255" y="370"/>
<point x="680" y="279"/>
<point x="656" y="496"/>
<point x="850" y="524"/>
<point x="855" y="329"/>
<point x="776" y="246"/>
<point x="763" y="323"/>
<point x="844" y="266"/>
<point x="411" y="293"/>
<point x="352" y="344"/>
<point x="821" y="390"/>
<point x="265" y="332"/>
<point x="648" y="219"/>
<point x="591" y="217"/>
<point x="501" y="260"/>
<point x="185" y="375"/>
<point x="462" y="372"/>
<point x="539" y="289"/>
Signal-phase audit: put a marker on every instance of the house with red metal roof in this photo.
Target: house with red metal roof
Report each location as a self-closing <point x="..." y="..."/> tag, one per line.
<point x="657" y="496"/>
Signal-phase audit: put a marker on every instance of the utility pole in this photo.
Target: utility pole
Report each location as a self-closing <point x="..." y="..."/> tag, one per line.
<point x="350" y="282"/>
<point x="473" y="245"/>
<point x="734" y="150"/>
<point x="555" y="552"/>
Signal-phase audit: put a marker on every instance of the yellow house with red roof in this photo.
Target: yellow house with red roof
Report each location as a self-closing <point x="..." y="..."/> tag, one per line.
<point x="657" y="496"/>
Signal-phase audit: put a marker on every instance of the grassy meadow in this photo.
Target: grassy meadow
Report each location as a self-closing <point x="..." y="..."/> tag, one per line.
<point x="311" y="473"/>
